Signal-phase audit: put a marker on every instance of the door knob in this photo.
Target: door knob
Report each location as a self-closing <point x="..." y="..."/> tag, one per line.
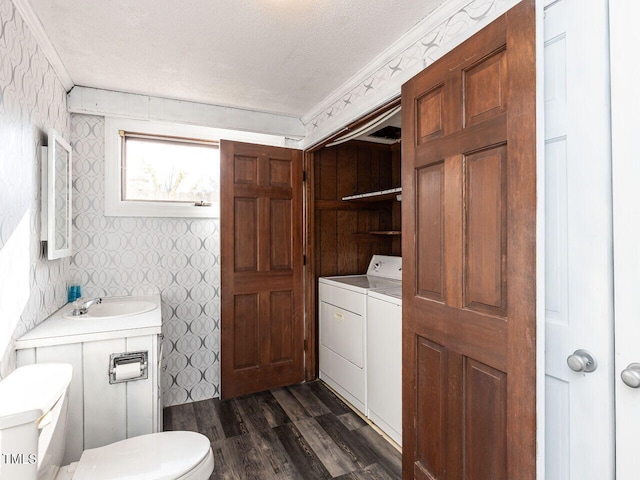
<point x="631" y="375"/>
<point x="583" y="361"/>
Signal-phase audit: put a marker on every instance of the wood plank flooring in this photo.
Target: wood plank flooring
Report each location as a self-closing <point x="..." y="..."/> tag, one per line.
<point x="300" y="432"/>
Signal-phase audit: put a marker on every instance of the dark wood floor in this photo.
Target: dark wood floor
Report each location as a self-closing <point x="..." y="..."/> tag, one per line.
<point x="298" y="432"/>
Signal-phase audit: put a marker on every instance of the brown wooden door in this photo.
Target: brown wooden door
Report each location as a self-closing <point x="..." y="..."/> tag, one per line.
<point x="262" y="322"/>
<point x="469" y="229"/>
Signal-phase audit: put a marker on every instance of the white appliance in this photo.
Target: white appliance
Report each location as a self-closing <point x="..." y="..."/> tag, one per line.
<point x="384" y="360"/>
<point x="33" y="414"/>
<point x="343" y="326"/>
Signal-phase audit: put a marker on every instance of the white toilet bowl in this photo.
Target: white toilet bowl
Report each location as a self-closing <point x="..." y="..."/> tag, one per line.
<point x="33" y="412"/>
<point x="157" y="456"/>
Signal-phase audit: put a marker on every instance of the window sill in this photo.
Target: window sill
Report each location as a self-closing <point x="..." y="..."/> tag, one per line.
<point x="156" y="209"/>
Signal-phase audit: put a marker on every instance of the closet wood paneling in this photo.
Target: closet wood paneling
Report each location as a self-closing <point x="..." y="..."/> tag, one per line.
<point x="342" y="246"/>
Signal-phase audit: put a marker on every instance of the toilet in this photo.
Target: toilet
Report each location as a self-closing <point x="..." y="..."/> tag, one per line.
<point x="33" y="414"/>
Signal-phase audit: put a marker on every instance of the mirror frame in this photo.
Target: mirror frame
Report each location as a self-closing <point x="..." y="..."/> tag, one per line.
<point x="48" y="191"/>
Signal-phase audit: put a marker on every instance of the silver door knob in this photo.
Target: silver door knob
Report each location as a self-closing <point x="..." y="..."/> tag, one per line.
<point x="631" y="375"/>
<point x="582" y="361"/>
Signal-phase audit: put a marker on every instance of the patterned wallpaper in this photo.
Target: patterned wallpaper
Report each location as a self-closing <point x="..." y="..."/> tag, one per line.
<point x="432" y="45"/>
<point x="128" y="256"/>
<point x="32" y="100"/>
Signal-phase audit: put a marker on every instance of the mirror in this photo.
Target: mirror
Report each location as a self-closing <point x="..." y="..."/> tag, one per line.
<point x="56" y="197"/>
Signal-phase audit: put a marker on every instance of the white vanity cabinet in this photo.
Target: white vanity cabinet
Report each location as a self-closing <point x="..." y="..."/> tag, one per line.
<point x="100" y="412"/>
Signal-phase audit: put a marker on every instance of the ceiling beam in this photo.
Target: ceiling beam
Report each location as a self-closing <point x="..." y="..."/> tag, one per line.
<point x="95" y="101"/>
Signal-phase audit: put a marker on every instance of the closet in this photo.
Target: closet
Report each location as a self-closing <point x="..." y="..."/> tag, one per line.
<point x="344" y="232"/>
<point x="348" y="232"/>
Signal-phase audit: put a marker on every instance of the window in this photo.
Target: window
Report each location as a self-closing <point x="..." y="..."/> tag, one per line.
<point x="161" y="170"/>
<point x="169" y="169"/>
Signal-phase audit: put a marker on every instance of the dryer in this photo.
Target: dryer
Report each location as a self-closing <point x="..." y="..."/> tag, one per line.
<point x="343" y="326"/>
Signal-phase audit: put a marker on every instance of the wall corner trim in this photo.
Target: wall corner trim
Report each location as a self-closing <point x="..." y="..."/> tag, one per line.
<point x="32" y="20"/>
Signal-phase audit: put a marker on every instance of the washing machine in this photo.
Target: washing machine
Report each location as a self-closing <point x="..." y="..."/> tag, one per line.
<point x="384" y="360"/>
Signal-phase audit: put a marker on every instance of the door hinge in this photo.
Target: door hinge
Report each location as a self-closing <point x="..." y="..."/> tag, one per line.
<point x="304" y="176"/>
<point x="305" y="344"/>
<point x="304" y="259"/>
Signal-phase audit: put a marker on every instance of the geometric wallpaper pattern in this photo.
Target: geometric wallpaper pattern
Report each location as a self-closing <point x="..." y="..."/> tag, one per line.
<point x="32" y="100"/>
<point x="423" y="52"/>
<point x="177" y="257"/>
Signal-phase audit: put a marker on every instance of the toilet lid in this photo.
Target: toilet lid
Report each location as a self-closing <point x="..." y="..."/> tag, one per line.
<point x="157" y="456"/>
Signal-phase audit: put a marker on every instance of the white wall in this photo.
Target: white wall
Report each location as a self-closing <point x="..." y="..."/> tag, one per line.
<point x="32" y="100"/>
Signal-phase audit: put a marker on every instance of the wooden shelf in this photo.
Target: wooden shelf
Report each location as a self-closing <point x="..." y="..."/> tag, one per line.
<point x="376" y="236"/>
<point x="370" y="238"/>
<point x="340" y="205"/>
<point x="386" y="232"/>
<point x="389" y="194"/>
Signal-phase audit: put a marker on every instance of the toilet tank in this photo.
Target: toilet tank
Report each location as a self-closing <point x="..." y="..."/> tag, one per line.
<point x="33" y="409"/>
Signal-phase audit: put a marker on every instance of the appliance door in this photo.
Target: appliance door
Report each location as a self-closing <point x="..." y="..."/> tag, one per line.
<point x="342" y="346"/>
<point x="384" y="365"/>
<point x="343" y="332"/>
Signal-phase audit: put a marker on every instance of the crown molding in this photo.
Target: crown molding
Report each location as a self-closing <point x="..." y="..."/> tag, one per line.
<point x="30" y="17"/>
<point x="380" y="80"/>
<point x="439" y="15"/>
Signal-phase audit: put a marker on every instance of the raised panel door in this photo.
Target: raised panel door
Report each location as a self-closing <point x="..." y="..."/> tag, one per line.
<point x="262" y="324"/>
<point x="469" y="257"/>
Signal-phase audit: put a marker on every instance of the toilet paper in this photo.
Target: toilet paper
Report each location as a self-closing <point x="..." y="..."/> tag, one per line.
<point x="127" y="371"/>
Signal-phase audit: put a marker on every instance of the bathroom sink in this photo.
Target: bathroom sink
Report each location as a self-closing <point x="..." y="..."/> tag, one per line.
<point x="116" y="308"/>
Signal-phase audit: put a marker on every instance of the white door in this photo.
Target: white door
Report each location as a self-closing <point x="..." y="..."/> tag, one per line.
<point x="625" y="105"/>
<point x="579" y="407"/>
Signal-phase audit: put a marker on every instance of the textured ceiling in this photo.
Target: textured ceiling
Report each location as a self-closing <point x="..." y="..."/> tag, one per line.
<point x="280" y="56"/>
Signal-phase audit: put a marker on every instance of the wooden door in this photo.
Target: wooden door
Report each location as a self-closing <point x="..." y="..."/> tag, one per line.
<point x="262" y="321"/>
<point x="469" y="230"/>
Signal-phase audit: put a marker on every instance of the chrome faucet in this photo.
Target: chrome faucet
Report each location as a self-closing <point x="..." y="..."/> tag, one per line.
<point x="82" y="308"/>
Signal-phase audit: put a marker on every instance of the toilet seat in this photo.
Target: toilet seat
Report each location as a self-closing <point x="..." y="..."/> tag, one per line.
<point x="156" y="456"/>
